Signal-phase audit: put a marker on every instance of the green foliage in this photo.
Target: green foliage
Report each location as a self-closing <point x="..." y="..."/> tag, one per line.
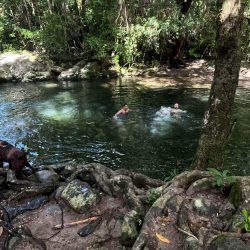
<point x="172" y="174"/>
<point x="53" y="37"/>
<point x="193" y="53"/>
<point x="101" y="30"/>
<point x="8" y="39"/>
<point x="221" y="178"/>
<point x="246" y="223"/>
<point x="152" y="195"/>
<point x="136" y="32"/>
<point x="127" y="44"/>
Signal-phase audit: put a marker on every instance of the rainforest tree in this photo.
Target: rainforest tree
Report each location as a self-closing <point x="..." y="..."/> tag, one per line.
<point x="134" y="31"/>
<point x="217" y="122"/>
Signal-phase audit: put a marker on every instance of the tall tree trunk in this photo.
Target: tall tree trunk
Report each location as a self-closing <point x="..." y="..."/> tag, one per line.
<point x="175" y="60"/>
<point x="49" y="6"/>
<point x="217" y="122"/>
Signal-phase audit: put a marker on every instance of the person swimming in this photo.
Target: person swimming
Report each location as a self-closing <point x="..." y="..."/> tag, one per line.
<point x="123" y="112"/>
<point x="175" y="109"/>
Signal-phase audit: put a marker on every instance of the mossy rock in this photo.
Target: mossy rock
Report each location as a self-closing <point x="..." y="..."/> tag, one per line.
<point x="130" y="227"/>
<point x="200" y="185"/>
<point x="80" y="196"/>
<point x="237" y="220"/>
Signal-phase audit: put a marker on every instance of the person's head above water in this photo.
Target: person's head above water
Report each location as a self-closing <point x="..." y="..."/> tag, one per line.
<point x="125" y="106"/>
<point x="176" y="106"/>
<point x="123" y="110"/>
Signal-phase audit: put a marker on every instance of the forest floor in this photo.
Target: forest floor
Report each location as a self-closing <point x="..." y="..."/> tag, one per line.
<point x="41" y="222"/>
<point x="195" y="74"/>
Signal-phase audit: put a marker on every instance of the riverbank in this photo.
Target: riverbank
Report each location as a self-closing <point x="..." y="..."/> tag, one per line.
<point x="30" y="67"/>
<point x="196" y="74"/>
<point x="76" y="206"/>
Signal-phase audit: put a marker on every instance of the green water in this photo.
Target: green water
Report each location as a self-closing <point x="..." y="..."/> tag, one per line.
<point x="61" y="122"/>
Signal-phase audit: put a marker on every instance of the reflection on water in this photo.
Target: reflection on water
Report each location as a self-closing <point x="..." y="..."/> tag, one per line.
<point x="64" y="121"/>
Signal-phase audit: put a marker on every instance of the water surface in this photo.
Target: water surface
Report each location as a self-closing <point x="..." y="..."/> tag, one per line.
<point x="60" y="122"/>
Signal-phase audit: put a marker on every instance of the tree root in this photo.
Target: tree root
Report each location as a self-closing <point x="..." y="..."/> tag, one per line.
<point x="176" y="187"/>
<point x="187" y="233"/>
<point x="179" y="198"/>
<point x="130" y="186"/>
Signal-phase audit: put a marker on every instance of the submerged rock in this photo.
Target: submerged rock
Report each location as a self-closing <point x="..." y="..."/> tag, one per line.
<point x="79" y="196"/>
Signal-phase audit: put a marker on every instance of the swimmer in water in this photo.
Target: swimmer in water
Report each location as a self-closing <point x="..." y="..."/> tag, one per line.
<point x="175" y="109"/>
<point x="176" y="112"/>
<point x="123" y="111"/>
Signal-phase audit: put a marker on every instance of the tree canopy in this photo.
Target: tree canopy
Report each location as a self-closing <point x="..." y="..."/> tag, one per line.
<point x="132" y="31"/>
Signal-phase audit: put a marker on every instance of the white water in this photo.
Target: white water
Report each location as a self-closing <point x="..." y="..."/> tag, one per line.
<point x="163" y="121"/>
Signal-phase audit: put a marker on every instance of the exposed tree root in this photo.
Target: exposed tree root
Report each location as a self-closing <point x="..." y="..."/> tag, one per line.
<point x="200" y="212"/>
<point x="121" y="183"/>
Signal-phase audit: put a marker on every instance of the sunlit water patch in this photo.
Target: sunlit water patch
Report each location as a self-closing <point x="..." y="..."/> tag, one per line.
<point x="61" y="122"/>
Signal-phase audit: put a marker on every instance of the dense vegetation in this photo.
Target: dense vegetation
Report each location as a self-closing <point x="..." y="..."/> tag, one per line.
<point x="133" y="31"/>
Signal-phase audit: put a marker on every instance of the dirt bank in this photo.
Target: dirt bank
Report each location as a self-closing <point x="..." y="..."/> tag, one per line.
<point x="196" y="74"/>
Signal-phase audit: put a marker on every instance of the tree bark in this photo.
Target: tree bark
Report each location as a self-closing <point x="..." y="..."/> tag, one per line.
<point x="217" y="121"/>
<point x="175" y="60"/>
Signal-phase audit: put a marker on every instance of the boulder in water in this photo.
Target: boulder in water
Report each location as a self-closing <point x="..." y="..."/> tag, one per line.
<point x="24" y="67"/>
<point x="71" y="74"/>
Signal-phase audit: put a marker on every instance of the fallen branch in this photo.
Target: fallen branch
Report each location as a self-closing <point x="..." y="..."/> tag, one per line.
<point x="71" y="224"/>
